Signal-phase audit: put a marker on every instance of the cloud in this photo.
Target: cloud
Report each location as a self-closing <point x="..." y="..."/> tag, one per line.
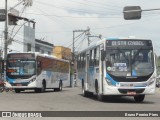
<point x="56" y="19"/>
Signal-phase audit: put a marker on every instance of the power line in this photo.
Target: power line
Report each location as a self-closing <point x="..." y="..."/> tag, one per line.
<point x="81" y="43"/>
<point x="103" y="4"/>
<point x="57" y="21"/>
<point x="94" y="5"/>
<point x="73" y="10"/>
<point x="15" y="25"/>
<point x="108" y="16"/>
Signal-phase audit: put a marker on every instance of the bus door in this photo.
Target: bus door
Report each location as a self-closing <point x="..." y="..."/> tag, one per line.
<point x="87" y="70"/>
<point x="102" y="56"/>
<point x="91" y="70"/>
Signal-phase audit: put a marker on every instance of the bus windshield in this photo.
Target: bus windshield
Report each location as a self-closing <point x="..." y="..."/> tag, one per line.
<point x="129" y="62"/>
<point x="24" y="67"/>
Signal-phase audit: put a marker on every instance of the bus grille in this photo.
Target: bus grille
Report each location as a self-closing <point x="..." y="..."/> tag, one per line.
<point x="125" y="91"/>
<point x="19" y="84"/>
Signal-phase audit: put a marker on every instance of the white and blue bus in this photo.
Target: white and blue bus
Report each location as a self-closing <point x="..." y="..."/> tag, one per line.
<point x="36" y="71"/>
<point x="115" y="66"/>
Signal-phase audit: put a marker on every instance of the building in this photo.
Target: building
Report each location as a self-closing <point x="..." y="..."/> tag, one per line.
<point x="62" y="52"/>
<point x="43" y="47"/>
<point x="22" y="39"/>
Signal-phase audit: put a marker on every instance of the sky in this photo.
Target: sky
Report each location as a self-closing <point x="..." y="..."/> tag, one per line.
<point x="57" y="19"/>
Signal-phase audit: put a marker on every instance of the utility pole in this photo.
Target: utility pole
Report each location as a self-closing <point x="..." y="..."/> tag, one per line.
<point x="73" y="46"/>
<point x="89" y="41"/>
<point x="6" y="31"/>
<point x="87" y="31"/>
<point x="26" y="3"/>
<point x="5" y="39"/>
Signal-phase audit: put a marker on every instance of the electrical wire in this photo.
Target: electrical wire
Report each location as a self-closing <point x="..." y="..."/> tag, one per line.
<point x="15" y="25"/>
<point x="102" y="7"/>
<point x="73" y="10"/>
<point x="108" y="16"/>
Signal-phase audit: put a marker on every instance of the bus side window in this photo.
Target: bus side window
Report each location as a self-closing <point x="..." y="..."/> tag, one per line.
<point x="97" y="56"/>
<point x="95" y="50"/>
<point x="39" y="64"/>
<point x="39" y="67"/>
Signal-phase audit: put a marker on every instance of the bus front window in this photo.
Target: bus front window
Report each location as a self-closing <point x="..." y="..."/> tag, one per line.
<point x="21" y="67"/>
<point x="142" y="62"/>
<point x="120" y="62"/>
<point x="27" y="67"/>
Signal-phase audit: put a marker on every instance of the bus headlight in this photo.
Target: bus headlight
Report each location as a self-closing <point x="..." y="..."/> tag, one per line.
<point x="32" y="80"/>
<point x="151" y="81"/>
<point x="109" y="82"/>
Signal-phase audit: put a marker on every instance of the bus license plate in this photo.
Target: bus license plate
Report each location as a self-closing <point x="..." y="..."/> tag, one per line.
<point x="18" y="84"/>
<point x="131" y="93"/>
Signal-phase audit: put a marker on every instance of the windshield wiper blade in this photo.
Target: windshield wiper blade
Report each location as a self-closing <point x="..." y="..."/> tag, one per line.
<point x="122" y="52"/>
<point x="136" y="55"/>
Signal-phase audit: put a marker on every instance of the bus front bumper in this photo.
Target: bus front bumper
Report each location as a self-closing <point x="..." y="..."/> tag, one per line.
<point x="20" y="85"/>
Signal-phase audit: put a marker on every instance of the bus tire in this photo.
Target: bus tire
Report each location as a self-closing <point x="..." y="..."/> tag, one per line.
<point x="96" y="87"/>
<point x="60" y="86"/>
<point x="100" y="97"/>
<point x="139" y="98"/>
<point x="43" y="89"/>
<point x="84" y="92"/>
<point x="17" y="90"/>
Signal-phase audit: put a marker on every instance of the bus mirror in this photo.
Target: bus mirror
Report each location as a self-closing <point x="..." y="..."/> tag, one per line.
<point x="103" y="55"/>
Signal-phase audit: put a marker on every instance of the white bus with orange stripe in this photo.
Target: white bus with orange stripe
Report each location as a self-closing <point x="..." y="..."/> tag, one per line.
<point x="36" y="71"/>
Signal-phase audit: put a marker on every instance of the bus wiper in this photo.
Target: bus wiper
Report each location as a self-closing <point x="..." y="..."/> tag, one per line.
<point x="122" y="52"/>
<point x="136" y="55"/>
<point x="25" y="62"/>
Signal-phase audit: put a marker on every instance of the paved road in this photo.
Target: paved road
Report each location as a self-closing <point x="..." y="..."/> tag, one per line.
<point x="70" y="99"/>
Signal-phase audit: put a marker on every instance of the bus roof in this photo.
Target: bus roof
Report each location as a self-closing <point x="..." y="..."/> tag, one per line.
<point x="125" y="38"/>
<point x="42" y="55"/>
<point x="111" y="38"/>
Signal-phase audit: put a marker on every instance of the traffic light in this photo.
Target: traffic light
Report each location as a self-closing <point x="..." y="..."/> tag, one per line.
<point x="132" y="12"/>
<point x="12" y="19"/>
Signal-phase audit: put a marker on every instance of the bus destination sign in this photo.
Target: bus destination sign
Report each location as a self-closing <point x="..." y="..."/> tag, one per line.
<point x="21" y="56"/>
<point x="129" y="43"/>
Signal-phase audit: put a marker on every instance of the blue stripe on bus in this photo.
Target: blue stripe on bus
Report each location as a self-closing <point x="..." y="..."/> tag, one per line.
<point x="111" y="79"/>
<point x="112" y="38"/>
<point x="10" y="80"/>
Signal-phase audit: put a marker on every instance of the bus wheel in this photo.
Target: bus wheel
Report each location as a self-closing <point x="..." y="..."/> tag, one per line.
<point x="139" y="98"/>
<point x="96" y="87"/>
<point x="43" y="87"/>
<point x="99" y="96"/>
<point x="84" y="93"/>
<point x="60" y="86"/>
<point x="17" y="90"/>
